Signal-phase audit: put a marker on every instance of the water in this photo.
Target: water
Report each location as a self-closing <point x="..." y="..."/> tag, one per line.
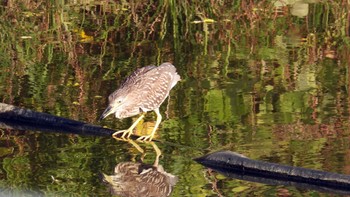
<point x="264" y="80"/>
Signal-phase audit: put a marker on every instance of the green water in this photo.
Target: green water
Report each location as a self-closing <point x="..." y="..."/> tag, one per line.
<point x="268" y="80"/>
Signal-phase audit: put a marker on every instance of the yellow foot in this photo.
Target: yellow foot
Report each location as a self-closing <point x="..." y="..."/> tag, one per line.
<point x="125" y="134"/>
<point x="145" y="138"/>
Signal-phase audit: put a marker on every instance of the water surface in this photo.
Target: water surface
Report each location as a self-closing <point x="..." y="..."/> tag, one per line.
<point x="267" y="80"/>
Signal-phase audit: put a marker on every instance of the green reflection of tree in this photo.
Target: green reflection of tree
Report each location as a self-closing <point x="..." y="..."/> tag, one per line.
<point x="57" y="166"/>
<point x="18" y="173"/>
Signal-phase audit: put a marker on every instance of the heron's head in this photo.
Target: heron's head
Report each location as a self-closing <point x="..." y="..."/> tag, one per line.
<point x="115" y="101"/>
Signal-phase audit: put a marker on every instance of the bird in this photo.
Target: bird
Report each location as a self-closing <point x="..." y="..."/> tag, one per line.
<point x="139" y="179"/>
<point x="143" y="91"/>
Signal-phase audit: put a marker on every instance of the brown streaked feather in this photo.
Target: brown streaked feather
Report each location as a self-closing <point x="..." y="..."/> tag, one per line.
<point x="145" y="89"/>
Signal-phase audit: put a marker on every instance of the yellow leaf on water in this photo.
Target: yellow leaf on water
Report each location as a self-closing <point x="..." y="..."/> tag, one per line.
<point x="196" y="22"/>
<point x="83" y="36"/>
<point x="269" y="87"/>
<point x="208" y="20"/>
<point x="220" y="177"/>
<point x="28" y="14"/>
<point x="26" y="37"/>
<point x="87" y="39"/>
<point x="240" y="189"/>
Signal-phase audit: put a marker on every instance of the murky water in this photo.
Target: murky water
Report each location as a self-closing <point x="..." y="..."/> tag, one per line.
<point x="270" y="81"/>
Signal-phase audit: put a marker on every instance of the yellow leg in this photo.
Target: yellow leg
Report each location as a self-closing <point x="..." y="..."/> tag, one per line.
<point x="128" y="132"/>
<point x="138" y="147"/>
<point x="150" y="137"/>
<point x="158" y="153"/>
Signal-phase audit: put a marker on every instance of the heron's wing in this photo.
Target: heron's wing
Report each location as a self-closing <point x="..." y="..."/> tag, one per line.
<point x="142" y="71"/>
<point x="130" y="80"/>
<point x="147" y="87"/>
<point x="171" y="68"/>
<point x="152" y="87"/>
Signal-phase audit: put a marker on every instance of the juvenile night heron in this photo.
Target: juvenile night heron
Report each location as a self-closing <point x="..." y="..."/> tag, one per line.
<point x="138" y="179"/>
<point x="144" y="90"/>
<point x="141" y="179"/>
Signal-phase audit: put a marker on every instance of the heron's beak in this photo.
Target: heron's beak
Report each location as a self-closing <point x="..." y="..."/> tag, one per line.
<point x="107" y="112"/>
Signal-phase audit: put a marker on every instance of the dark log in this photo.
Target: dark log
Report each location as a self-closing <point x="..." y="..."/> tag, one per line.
<point x="235" y="165"/>
<point x="24" y="119"/>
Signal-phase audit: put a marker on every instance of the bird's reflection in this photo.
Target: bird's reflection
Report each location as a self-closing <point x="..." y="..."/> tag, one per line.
<point x="140" y="179"/>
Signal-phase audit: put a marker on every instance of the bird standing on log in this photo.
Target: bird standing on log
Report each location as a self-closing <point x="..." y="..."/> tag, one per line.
<point x="144" y="90"/>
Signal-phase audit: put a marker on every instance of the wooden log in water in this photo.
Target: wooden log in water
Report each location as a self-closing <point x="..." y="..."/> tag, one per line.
<point x="235" y="165"/>
<point x="25" y="119"/>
